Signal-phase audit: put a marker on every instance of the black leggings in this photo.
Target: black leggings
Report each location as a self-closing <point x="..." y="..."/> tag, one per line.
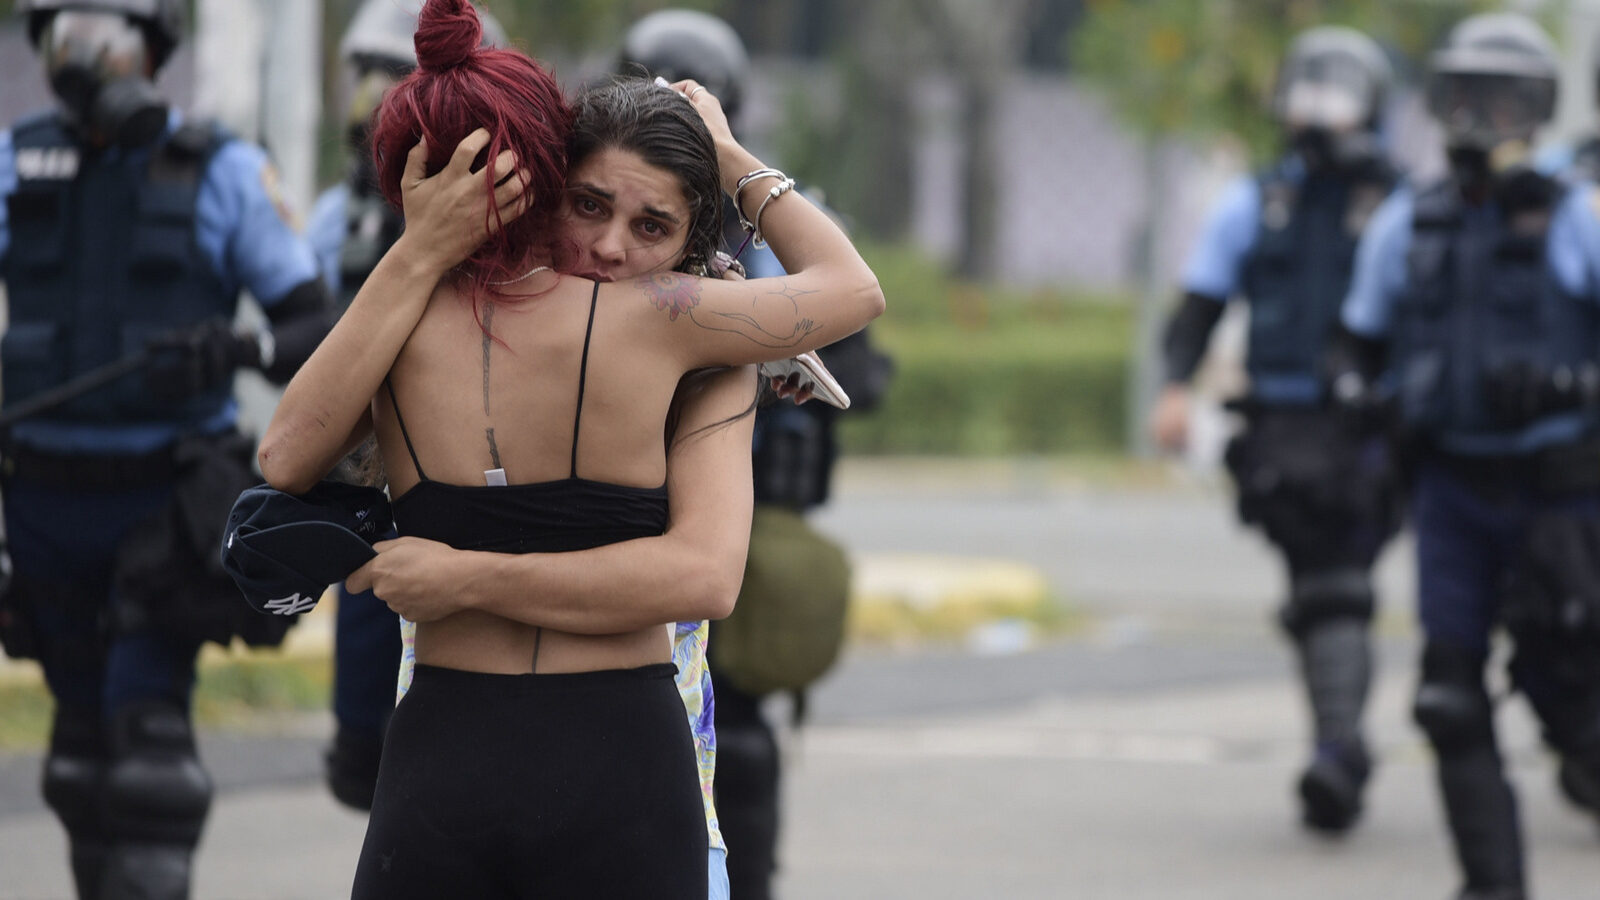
<point x="555" y="786"/>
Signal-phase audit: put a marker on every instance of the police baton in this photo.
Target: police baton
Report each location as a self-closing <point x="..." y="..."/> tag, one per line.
<point x="72" y="389"/>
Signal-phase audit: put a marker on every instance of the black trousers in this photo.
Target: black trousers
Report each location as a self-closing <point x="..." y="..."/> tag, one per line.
<point x="557" y="787"/>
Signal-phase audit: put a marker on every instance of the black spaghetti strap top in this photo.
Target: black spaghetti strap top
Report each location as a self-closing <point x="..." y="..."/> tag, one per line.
<point x="544" y="517"/>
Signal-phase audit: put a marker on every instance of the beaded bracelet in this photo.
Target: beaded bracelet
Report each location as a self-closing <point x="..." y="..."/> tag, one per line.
<point x="778" y="190"/>
<point x="738" y="193"/>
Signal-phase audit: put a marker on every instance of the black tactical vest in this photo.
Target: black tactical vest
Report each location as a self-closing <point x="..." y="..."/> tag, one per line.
<point x="1298" y="270"/>
<point x="103" y="257"/>
<point x="1480" y="295"/>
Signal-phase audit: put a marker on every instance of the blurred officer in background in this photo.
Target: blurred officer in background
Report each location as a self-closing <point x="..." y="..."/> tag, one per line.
<point x="794" y="451"/>
<point x="126" y="237"/>
<point x="1284" y="241"/>
<point x="1578" y="160"/>
<point x="1479" y="295"/>
<point x="350" y="228"/>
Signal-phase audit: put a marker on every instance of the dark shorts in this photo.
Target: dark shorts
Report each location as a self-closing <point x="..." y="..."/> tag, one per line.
<point x="551" y="786"/>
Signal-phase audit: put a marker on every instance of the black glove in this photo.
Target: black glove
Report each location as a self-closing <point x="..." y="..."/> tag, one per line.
<point x="190" y="361"/>
<point x="1521" y="391"/>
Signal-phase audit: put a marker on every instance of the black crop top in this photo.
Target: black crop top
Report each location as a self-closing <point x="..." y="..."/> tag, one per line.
<point x="544" y="517"/>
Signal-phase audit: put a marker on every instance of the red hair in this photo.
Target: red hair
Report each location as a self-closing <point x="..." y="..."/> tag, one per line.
<point x="458" y="87"/>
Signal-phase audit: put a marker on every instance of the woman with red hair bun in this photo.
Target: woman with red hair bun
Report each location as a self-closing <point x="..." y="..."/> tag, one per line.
<point x="528" y="760"/>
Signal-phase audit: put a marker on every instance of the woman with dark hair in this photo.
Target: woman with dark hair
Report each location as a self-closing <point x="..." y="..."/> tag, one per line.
<point x="567" y="755"/>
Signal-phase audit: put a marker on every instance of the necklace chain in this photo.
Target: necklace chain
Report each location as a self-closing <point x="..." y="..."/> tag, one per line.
<point x="525" y="275"/>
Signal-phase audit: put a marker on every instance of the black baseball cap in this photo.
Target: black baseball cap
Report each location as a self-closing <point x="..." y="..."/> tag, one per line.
<point x="283" y="550"/>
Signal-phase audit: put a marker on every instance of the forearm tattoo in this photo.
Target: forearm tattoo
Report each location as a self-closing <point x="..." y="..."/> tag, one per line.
<point x="773" y="320"/>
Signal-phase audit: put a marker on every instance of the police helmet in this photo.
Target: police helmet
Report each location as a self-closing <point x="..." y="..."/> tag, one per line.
<point x="161" y="20"/>
<point x="1493" y="81"/>
<point x="683" y="43"/>
<point x="1333" y="77"/>
<point x="381" y="35"/>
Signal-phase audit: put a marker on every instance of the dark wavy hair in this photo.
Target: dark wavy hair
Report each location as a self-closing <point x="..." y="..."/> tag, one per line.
<point x="633" y="113"/>
<point x="458" y="87"/>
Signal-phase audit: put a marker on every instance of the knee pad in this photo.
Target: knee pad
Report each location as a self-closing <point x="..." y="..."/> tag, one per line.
<point x="1344" y="593"/>
<point x="156" y="790"/>
<point x="75" y="769"/>
<point x="1452" y="706"/>
<point x="72" y="788"/>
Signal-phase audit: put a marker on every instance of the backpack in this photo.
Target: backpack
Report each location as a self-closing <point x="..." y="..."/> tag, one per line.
<point x="788" y="626"/>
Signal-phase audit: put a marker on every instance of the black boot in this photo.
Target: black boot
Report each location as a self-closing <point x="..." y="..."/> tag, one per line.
<point x="1580" y="786"/>
<point x="1330" y="788"/>
<point x="157" y="795"/>
<point x="1336" y="664"/>
<point x="74" y="780"/>
<point x="747" y="793"/>
<point x="1492" y="894"/>
<point x="350" y="766"/>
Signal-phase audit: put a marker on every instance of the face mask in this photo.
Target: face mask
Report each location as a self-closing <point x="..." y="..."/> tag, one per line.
<point x="97" y="65"/>
<point x="1339" y="151"/>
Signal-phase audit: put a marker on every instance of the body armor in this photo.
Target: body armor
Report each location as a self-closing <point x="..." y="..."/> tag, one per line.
<point x="1480" y="297"/>
<point x="1298" y="271"/>
<point x="103" y="258"/>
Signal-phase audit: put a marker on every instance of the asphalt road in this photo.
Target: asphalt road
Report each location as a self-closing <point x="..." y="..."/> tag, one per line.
<point x="1148" y="756"/>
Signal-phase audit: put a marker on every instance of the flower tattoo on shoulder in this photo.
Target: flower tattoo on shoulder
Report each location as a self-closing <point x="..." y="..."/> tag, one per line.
<point x="673" y="293"/>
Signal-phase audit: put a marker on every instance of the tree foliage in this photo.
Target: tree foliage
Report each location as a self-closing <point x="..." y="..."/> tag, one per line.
<point x="1203" y="68"/>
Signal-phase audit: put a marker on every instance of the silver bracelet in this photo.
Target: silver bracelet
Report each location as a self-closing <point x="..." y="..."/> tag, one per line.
<point x="738" y="193"/>
<point x="778" y="190"/>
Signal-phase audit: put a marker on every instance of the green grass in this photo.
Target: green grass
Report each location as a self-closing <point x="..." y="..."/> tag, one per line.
<point x="230" y="692"/>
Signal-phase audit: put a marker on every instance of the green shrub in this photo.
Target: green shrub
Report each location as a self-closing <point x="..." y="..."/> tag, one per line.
<point x="987" y="371"/>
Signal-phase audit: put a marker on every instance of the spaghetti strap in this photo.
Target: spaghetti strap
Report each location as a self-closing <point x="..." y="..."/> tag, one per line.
<point x="583" y="375"/>
<point x="400" y="420"/>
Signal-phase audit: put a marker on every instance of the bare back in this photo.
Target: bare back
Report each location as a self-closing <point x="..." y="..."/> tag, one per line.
<point x="472" y="402"/>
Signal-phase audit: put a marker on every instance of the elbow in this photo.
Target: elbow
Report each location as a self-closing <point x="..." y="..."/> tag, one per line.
<point x="718" y="587"/>
<point x="872" y="297"/>
<point x="278" y="470"/>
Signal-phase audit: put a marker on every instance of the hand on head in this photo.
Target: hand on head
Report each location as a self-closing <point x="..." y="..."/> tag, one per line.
<point x="448" y="215"/>
<point x="709" y="107"/>
<point x="732" y="159"/>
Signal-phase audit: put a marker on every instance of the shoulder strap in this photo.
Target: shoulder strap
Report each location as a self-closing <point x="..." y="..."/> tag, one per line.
<point x="583" y="375"/>
<point x="187" y="151"/>
<point x="1438" y="206"/>
<point x="400" y="420"/>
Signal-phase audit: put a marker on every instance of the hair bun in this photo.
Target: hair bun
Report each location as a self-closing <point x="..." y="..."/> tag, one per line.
<point x="448" y="34"/>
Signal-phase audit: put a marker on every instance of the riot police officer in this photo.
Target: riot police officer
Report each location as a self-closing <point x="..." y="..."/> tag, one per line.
<point x="794" y="449"/>
<point x="126" y="236"/>
<point x="1284" y="240"/>
<point x="1481" y="290"/>
<point x="350" y="228"/>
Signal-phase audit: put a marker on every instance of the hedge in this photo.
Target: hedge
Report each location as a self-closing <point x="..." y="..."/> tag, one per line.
<point x="989" y="372"/>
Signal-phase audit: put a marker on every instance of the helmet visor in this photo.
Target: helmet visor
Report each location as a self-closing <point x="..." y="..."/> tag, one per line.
<point x="1484" y="111"/>
<point x="109" y="45"/>
<point x="1335" y="92"/>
